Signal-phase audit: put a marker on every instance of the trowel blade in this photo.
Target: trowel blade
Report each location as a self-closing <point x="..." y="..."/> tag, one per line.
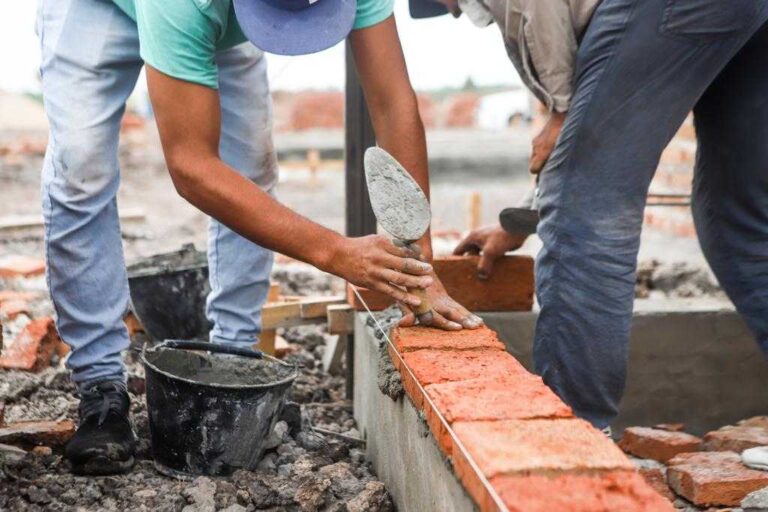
<point x="400" y="205"/>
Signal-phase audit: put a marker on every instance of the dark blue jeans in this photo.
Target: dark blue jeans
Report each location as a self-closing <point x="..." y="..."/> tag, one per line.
<point x="641" y="67"/>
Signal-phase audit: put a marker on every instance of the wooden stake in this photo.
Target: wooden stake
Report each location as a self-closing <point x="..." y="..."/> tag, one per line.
<point x="475" y="210"/>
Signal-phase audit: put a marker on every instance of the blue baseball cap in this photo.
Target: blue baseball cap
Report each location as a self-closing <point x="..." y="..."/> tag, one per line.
<point x="426" y="9"/>
<point x="295" y="27"/>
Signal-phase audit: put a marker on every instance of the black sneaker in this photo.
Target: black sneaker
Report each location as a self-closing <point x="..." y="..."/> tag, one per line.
<point x="104" y="443"/>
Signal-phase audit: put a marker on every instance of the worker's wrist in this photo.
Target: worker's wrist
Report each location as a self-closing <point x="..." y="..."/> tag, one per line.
<point x="329" y="252"/>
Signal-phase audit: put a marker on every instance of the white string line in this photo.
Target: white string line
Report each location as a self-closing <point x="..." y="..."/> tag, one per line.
<point x="467" y="456"/>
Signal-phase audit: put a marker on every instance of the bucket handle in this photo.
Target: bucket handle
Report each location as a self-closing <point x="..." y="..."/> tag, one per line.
<point x="211" y="347"/>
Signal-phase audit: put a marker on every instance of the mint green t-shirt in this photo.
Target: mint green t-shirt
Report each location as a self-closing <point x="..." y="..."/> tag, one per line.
<point x="181" y="37"/>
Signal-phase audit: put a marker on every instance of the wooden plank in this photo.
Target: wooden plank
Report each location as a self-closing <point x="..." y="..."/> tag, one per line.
<point x="267" y="341"/>
<point x="279" y="314"/>
<point x="334" y="351"/>
<point x="317" y="308"/>
<point x="341" y="319"/>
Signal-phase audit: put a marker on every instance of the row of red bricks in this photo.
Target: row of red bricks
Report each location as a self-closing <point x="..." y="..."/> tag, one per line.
<point x="706" y="471"/>
<point x="512" y="442"/>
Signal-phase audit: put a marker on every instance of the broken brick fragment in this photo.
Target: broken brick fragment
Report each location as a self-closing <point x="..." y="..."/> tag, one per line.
<point x="408" y="339"/>
<point x="48" y="433"/>
<point x="657" y="479"/>
<point x="21" y="266"/>
<point x="538" y="447"/>
<point x="713" y="478"/>
<point x="612" y="491"/>
<point x="660" y="445"/>
<point x="32" y="348"/>
<point x="514" y="396"/>
<point x="736" y="438"/>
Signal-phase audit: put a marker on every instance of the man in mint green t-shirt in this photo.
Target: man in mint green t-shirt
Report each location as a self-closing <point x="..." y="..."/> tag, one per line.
<point x="210" y="96"/>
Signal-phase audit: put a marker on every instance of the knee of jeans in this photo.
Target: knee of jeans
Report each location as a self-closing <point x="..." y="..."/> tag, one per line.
<point x="84" y="168"/>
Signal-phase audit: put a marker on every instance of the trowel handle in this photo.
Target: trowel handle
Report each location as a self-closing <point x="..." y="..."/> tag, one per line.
<point x="423" y="311"/>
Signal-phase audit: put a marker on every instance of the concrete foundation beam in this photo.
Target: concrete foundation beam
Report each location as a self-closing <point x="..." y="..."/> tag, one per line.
<point x="691" y="361"/>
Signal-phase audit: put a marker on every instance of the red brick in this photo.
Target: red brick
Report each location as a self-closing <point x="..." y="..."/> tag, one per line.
<point x="671" y="427"/>
<point x="436" y="366"/>
<point x="509" y="289"/>
<point x="736" y="438"/>
<point x="21" y="266"/>
<point x="613" y="491"/>
<point x="713" y="478"/>
<point x="661" y="445"/>
<point x="656" y="478"/>
<point x="516" y="396"/>
<point x="538" y="447"/>
<point x="49" y="433"/>
<point x="408" y="339"/>
<point x="33" y="348"/>
<point x="757" y="421"/>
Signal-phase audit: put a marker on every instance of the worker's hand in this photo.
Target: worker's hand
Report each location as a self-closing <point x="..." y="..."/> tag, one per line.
<point x="452" y="6"/>
<point x="491" y="242"/>
<point x="376" y="263"/>
<point x="545" y="141"/>
<point x="446" y="313"/>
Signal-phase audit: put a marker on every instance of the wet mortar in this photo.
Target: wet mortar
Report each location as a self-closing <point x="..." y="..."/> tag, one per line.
<point x="216" y="369"/>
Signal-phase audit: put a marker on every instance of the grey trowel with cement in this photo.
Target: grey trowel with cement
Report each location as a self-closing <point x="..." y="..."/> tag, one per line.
<point x="401" y="208"/>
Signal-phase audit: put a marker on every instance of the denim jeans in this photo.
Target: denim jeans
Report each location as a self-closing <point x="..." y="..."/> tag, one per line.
<point x="641" y="67"/>
<point x="90" y="64"/>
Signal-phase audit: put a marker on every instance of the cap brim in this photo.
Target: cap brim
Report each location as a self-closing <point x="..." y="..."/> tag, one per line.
<point x="426" y="9"/>
<point x="284" y="32"/>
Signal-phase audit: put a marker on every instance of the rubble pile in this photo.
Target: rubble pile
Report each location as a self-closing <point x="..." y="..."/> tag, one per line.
<point x="677" y="280"/>
<point x="702" y="473"/>
<point x="315" y="457"/>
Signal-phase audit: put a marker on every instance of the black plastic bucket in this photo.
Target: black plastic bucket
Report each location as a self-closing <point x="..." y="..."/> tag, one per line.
<point x="209" y="414"/>
<point x="168" y="293"/>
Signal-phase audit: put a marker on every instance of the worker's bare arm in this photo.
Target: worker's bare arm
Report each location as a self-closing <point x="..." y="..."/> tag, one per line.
<point x="188" y="119"/>
<point x="394" y="111"/>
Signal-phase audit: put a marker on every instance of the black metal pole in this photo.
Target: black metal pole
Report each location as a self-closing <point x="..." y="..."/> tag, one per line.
<point x="359" y="136"/>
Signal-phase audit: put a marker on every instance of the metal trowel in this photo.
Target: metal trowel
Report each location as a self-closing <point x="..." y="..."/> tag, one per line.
<point x="401" y="208"/>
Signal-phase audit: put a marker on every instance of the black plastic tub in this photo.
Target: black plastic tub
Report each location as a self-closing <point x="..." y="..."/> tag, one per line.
<point x="168" y="294"/>
<point x="211" y="406"/>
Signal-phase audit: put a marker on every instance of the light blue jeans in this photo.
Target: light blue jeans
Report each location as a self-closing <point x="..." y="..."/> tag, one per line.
<point x="90" y="64"/>
<point x="642" y="66"/>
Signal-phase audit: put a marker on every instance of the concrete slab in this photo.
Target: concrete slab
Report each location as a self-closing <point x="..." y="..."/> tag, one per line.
<point x="691" y="361"/>
<point x="398" y="443"/>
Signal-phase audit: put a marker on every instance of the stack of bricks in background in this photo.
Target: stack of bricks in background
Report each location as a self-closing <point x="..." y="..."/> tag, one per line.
<point x="512" y="443"/>
<point x="673" y="176"/>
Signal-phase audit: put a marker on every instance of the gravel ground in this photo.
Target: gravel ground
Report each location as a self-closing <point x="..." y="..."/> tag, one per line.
<point x="302" y="469"/>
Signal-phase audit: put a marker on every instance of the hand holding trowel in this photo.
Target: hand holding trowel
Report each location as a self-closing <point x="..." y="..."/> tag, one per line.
<point x="402" y="210"/>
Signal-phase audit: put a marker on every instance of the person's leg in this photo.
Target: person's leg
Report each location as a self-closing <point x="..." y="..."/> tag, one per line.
<point x="90" y="63"/>
<point x="730" y="188"/>
<point x="240" y="269"/>
<point x="641" y="67"/>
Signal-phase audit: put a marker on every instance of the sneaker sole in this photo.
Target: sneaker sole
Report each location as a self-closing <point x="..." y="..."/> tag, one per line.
<point x="103" y="465"/>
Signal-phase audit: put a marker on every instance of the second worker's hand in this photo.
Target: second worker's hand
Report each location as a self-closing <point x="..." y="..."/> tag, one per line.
<point x="376" y="263"/>
<point x="544" y="143"/>
<point x="491" y="243"/>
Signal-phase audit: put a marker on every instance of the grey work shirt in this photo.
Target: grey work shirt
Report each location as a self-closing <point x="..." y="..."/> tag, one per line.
<point x="542" y="37"/>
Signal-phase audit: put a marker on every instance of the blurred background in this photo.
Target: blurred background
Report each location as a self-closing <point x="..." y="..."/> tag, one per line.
<point x="479" y="120"/>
